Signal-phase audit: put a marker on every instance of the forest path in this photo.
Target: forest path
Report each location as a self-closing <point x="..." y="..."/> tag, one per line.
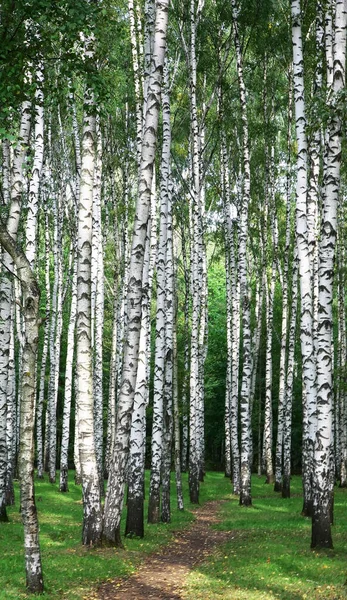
<point x="162" y="575"/>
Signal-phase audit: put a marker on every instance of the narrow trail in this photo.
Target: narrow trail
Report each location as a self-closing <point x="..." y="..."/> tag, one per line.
<point x="162" y="575"/>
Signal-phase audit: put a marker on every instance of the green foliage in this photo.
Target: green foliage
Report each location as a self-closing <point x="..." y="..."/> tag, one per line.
<point x="215" y="366"/>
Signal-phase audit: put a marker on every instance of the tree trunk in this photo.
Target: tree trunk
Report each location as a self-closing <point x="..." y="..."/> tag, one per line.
<point x="245" y="392"/>
<point x="92" y="513"/>
<point x="115" y="489"/>
<point x="137" y="451"/>
<point x="306" y="319"/>
<point x="64" y="464"/>
<point x="288" y="392"/>
<point x="169" y="312"/>
<point x="322" y="462"/>
<point x="283" y="401"/>
<point x="97" y="324"/>
<point x="30" y="311"/>
<point x="42" y="378"/>
<point x="6" y="292"/>
<point x="55" y="342"/>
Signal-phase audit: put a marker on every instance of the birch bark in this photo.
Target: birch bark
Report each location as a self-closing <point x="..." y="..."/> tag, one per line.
<point x="160" y="346"/>
<point x="245" y="409"/>
<point x="11" y="418"/>
<point x="92" y="513"/>
<point x="64" y="465"/>
<point x="30" y="310"/>
<point x="169" y="317"/>
<point x="42" y="378"/>
<point x="55" y="340"/>
<point x="137" y="450"/>
<point x="35" y="179"/>
<point x="97" y="323"/>
<point x="233" y="328"/>
<point x="322" y="463"/>
<point x="115" y="489"/>
<point x="306" y="318"/>
<point x="6" y="292"/>
<point x="341" y="447"/>
<point x="282" y="391"/>
<point x="288" y="391"/>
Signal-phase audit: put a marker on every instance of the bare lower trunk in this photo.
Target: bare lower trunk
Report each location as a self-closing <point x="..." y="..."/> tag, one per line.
<point x="92" y="513"/>
<point x="323" y="448"/>
<point x="63" y="485"/>
<point x="30" y="311"/>
<point x="306" y="323"/>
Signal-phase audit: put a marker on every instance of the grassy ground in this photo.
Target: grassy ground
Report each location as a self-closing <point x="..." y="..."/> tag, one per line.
<point x="70" y="570"/>
<point x="268" y="557"/>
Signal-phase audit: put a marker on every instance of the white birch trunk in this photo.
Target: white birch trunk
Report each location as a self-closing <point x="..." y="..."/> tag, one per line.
<point x="30" y="311"/>
<point x="288" y="391"/>
<point x="177" y="434"/>
<point x="185" y="382"/>
<point x="64" y="466"/>
<point x="245" y="392"/>
<point x="162" y="396"/>
<point x="11" y="417"/>
<point x="35" y="180"/>
<point x="55" y="341"/>
<point x="282" y="398"/>
<point x="322" y="463"/>
<point x="198" y="279"/>
<point x="137" y="450"/>
<point x="169" y="323"/>
<point x="138" y="77"/>
<point x="97" y="323"/>
<point x="341" y="447"/>
<point x="228" y="383"/>
<point x="92" y="513"/>
<point x="232" y="449"/>
<point x="6" y="288"/>
<point x="268" y="417"/>
<point x="42" y="378"/>
<point x="160" y="348"/>
<point x="115" y="489"/>
<point x="6" y="172"/>
<point x="306" y="319"/>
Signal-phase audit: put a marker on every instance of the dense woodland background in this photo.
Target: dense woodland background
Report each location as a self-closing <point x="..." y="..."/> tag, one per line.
<point x="173" y="226"/>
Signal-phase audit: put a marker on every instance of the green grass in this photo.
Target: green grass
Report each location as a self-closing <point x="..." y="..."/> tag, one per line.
<point x="69" y="569"/>
<point x="269" y="556"/>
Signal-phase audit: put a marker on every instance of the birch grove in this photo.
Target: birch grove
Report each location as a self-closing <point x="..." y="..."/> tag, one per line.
<point x="173" y="258"/>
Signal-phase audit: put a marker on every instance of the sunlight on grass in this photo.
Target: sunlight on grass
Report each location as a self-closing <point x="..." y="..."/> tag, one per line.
<point x="269" y="556"/>
<point x="70" y="570"/>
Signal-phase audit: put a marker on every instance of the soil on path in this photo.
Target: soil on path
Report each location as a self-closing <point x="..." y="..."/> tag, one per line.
<point x="162" y="575"/>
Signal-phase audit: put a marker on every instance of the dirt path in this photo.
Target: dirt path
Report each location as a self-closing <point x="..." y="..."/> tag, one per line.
<point x="162" y="575"/>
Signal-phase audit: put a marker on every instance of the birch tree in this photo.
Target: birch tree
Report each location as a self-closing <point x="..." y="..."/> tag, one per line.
<point x="306" y="317"/>
<point x="245" y="410"/>
<point x="322" y="462"/>
<point x="92" y="514"/>
<point x="63" y="483"/>
<point x="6" y="290"/>
<point x="115" y="489"/>
<point x="30" y="308"/>
<point x="137" y="450"/>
